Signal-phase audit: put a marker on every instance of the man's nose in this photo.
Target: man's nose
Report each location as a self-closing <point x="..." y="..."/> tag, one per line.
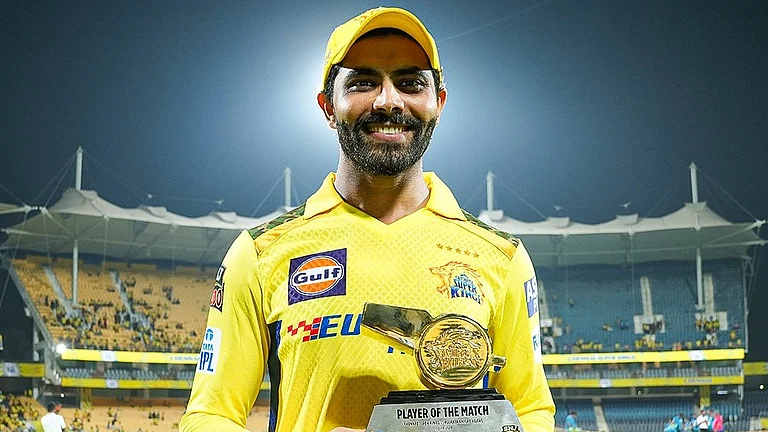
<point x="388" y="99"/>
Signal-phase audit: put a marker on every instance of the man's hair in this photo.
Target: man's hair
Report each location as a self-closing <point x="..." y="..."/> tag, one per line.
<point x="51" y="406"/>
<point x="334" y="71"/>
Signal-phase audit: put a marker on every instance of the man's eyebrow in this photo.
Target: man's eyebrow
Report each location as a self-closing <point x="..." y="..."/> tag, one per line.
<point x="356" y="72"/>
<point x="365" y="71"/>
<point x="411" y="71"/>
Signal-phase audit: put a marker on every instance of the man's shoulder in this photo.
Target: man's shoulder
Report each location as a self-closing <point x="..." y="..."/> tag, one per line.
<point x="269" y="231"/>
<point x="504" y="241"/>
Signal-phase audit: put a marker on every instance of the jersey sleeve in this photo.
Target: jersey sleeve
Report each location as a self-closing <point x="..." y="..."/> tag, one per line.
<point x="516" y="336"/>
<point x="234" y="348"/>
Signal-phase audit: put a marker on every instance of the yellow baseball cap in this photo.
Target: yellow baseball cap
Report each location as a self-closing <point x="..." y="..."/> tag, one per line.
<point x="346" y="34"/>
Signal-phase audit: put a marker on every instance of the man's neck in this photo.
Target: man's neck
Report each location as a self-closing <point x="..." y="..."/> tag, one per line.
<point x="386" y="198"/>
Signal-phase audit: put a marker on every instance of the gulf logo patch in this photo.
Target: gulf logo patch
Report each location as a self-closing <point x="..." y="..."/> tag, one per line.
<point x="318" y="275"/>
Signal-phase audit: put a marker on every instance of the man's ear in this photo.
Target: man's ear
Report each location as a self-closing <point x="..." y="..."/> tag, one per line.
<point x="327" y="108"/>
<point x="442" y="97"/>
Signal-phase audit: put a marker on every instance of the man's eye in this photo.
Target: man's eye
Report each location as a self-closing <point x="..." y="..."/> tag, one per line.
<point x="362" y="84"/>
<point x="413" y="84"/>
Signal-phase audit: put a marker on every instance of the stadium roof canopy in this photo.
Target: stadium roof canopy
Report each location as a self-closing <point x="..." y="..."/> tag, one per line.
<point x="154" y="233"/>
<point x="631" y="238"/>
<point x="130" y="234"/>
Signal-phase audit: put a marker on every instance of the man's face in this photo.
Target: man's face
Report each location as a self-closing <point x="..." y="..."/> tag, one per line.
<point x="385" y="104"/>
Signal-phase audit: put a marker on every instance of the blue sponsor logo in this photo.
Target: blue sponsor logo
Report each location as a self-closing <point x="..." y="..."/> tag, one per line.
<point x="209" y="353"/>
<point x="532" y="296"/>
<point x="317" y="275"/>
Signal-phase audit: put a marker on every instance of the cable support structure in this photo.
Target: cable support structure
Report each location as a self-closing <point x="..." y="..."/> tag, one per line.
<point x="264" y="200"/>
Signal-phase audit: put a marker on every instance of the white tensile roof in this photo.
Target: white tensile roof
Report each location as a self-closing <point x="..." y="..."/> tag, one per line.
<point x="631" y="238"/>
<point x="154" y="233"/>
<point x="131" y="234"/>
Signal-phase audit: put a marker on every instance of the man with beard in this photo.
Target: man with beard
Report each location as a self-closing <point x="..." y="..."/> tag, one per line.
<point x="289" y="294"/>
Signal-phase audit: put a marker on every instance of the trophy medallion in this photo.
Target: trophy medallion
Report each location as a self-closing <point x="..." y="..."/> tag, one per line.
<point x="453" y="352"/>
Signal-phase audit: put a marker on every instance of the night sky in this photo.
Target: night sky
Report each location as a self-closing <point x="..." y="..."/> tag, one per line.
<point x="577" y="107"/>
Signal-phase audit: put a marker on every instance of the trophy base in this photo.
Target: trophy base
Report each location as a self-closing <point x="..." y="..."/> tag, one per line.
<point x="477" y="410"/>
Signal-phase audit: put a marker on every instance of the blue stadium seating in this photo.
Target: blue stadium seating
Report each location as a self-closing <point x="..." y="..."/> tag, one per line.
<point x="600" y="296"/>
<point x="673" y="291"/>
<point x="78" y="372"/>
<point x="643" y="416"/>
<point x="729" y="291"/>
<point x="586" y="298"/>
<point x="754" y="403"/>
<point x="586" y="413"/>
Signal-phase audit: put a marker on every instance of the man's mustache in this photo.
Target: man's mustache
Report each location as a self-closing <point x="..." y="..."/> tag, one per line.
<point x="383" y="119"/>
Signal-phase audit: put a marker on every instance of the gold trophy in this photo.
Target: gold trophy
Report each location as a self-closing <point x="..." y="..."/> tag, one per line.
<point x="453" y="352"/>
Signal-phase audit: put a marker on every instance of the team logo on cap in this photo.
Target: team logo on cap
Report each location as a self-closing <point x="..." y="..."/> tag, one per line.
<point x="318" y="275"/>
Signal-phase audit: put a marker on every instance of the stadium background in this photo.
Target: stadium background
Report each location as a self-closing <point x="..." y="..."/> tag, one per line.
<point x="604" y="106"/>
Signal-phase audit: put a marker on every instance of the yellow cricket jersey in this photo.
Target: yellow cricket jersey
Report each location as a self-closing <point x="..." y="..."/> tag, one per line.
<point x="289" y="297"/>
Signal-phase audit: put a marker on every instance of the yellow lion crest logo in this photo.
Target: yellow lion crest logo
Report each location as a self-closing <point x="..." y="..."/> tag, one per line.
<point x="454" y="272"/>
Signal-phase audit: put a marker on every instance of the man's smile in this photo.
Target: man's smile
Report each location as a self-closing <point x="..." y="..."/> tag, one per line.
<point x="387" y="132"/>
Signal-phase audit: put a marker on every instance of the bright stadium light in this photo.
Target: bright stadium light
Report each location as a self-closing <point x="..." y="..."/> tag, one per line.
<point x="761" y="387"/>
<point x="61" y="348"/>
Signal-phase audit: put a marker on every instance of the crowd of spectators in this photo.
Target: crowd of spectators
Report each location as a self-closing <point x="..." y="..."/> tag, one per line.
<point x="708" y="326"/>
<point x="156" y="417"/>
<point x="618" y="323"/>
<point x="99" y="326"/>
<point x="707" y="420"/>
<point x="113" y="424"/>
<point x="79" y="419"/>
<point x="583" y="346"/>
<point x="17" y="414"/>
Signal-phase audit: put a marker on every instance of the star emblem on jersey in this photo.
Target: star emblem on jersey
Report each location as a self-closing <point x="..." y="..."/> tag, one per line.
<point x="317" y="275"/>
<point x="459" y="280"/>
<point x="466" y="252"/>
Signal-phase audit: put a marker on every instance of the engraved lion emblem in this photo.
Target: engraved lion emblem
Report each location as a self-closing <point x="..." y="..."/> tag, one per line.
<point x="454" y="348"/>
<point x="449" y="272"/>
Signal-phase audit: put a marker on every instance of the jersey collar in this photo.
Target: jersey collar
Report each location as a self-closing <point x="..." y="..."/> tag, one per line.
<point x="441" y="199"/>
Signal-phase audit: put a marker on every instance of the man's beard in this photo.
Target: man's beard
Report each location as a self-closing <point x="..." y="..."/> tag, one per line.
<point x="384" y="158"/>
